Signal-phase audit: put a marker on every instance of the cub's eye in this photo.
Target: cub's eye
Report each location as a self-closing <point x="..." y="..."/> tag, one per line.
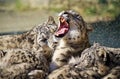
<point x="55" y="42"/>
<point x="50" y="25"/>
<point x="44" y="40"/>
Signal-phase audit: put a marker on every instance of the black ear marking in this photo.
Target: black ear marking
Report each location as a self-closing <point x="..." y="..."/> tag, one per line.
<point x="107" y="59"/>
<point x="89" y="27"/>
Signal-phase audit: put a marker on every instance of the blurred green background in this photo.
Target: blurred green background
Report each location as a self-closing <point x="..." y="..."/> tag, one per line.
<point x="103" y="15"/>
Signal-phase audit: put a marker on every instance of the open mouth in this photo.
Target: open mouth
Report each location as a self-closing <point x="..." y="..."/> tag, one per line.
<point x="63" y="27"/>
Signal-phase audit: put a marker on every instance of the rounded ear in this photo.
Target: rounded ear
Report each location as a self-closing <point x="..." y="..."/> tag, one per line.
<point x="103" y="54"/>
<point x="50" y="20"/>
<point x="89" y="27"/>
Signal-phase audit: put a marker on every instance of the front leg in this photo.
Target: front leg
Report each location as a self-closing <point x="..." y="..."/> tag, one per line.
<point x="60" y="57"/>
<point x="37" y="74"/>
<point x="18" y="71"/>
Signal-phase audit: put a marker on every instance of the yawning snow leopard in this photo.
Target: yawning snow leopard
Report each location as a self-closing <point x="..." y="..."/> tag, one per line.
<point x="71" y="36"/>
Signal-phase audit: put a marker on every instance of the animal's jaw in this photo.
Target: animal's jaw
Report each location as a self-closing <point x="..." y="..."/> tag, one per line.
<point x="63" y="27"/>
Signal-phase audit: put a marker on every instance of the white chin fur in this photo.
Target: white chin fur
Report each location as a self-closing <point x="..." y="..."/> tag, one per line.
<point x="74" y="60"/>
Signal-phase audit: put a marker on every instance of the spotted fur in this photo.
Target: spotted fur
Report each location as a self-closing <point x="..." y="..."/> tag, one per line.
<point x="114" y="73"/>
<point x="35" y="39"/>
<point x="17" y="63"/>
<point x="96" y="62"/>
<point x="21" y="55"/>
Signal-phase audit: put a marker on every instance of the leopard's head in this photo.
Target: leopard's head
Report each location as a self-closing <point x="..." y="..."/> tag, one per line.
<point x="45" y="30"/>
<point x="72" y="29"/>
<point x="42" y="35"/>
<point x="96" y="56"/>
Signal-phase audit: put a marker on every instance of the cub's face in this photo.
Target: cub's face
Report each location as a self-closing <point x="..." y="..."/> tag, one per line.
<point x="45" y="31"/>
<point x="93" y="56"/>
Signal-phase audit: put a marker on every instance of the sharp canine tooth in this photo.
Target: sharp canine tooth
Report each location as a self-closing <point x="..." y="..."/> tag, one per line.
<point x="62" y="20"/>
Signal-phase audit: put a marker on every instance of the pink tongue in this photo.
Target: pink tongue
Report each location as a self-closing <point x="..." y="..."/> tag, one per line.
<point x="63" y="29"/>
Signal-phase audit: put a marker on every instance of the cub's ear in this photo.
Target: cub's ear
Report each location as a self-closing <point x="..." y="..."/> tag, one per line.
<point x="50" y="20"/>
<point x="89" y="27"/>
<point x="102" y="53"/>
